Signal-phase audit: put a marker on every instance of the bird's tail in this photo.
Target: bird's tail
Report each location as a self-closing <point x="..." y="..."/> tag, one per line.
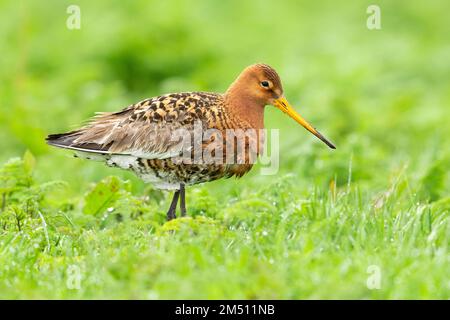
<point x="68" y="141"/>
<point x="62" y="140"/>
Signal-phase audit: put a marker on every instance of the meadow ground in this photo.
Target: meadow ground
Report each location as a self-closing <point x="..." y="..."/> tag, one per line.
<point x="368" y="220"/>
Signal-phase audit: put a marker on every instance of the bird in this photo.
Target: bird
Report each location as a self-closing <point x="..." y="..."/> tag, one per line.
<point x="153" y="137"/>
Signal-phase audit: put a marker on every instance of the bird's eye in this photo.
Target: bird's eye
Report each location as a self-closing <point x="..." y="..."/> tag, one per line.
<point x="265" y="84"/>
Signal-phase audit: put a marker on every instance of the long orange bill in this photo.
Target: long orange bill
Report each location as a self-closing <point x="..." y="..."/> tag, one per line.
<point x="282" y="104"/>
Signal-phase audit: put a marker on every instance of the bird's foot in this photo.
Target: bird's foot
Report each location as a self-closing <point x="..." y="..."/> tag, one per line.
<point x="173" y="206"/>
<point x="171" y="214"/>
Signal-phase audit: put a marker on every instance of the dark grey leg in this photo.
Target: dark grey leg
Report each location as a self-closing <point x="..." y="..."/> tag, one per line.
<point x="182" y="200"/>
<point x="173" y="206"/>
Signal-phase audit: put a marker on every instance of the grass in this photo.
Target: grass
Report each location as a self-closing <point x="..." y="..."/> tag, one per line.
<point x="327" y="224"/>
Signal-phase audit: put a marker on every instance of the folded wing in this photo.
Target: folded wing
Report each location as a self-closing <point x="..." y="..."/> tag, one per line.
<point x="152" y="128"/>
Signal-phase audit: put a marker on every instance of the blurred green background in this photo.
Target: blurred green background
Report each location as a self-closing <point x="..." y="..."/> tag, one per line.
<point x="382" y="96"/>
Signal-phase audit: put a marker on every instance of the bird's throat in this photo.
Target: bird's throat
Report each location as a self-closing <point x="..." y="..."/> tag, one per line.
<point x="248" y="109"/>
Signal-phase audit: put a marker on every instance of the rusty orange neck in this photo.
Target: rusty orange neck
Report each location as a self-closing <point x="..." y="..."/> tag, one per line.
<point x="248" y="109"/>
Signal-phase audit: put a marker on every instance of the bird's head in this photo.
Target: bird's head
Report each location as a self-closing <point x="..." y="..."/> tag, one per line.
<point x="262" y="84"/>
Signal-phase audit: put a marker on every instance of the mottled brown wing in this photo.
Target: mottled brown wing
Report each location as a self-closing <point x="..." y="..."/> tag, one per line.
<point x="144" y="129"/>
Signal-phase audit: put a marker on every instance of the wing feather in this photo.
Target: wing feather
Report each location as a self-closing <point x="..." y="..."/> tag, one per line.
<point x="144" y="129"/>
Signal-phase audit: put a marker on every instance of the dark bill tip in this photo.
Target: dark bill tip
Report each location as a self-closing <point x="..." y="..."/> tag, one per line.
<point x="328" y="143"/>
